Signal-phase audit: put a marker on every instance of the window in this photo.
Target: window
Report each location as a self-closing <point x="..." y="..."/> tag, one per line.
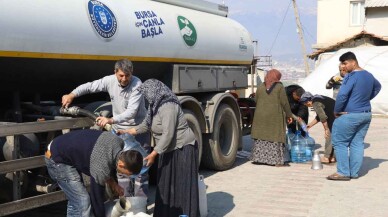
<point x="357" y="13"/>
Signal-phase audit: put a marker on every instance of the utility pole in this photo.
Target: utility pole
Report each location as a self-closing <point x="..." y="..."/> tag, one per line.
<point x="254" y="66"/>
<point x="299" y="26"/>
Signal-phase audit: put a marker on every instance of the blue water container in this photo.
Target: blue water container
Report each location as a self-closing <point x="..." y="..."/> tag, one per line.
<point x="298" y="148"/>
<point x="310" y="147"/>
<point x="289" y="136"/>
<point x="287" y="153"/>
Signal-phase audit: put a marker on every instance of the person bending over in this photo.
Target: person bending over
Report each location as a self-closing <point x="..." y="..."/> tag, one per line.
<point x="97" y="154"/>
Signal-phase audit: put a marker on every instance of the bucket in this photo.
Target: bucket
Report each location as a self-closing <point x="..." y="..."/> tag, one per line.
<point x="138" y="204"/>
<point x="117" y="207"/>
<point x="129" y="206"/>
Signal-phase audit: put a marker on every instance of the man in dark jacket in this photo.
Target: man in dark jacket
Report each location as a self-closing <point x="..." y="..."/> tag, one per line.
<point x="294" y="92"/>
<point x="97" y="154"/>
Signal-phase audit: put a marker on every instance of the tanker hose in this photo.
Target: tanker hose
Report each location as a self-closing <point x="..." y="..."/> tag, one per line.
<point x="76" y="111"/>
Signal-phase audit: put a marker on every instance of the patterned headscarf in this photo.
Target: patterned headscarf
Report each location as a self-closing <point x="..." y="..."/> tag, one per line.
<point x="156" y="93"/>
<point x="272" y="77"/>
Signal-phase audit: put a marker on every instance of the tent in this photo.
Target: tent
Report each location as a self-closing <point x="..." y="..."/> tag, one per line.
<point x="373" y="59"/>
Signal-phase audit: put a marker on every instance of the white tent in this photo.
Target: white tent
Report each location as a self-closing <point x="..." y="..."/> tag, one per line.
<point x="374" y="59"/>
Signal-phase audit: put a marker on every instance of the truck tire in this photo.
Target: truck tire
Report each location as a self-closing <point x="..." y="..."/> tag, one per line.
<point x="220" y="147"/>
<point x="195" y="127"/>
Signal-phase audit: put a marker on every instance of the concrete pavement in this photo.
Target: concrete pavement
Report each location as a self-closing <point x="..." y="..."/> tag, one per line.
<point x="249" y="190"/>
<point x="257" y="190"/>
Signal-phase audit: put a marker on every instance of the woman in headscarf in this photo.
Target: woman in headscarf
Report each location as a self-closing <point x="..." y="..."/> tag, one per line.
<point x="324" y="107"/>
<point x="177" y="176"/>
<point x="269" y="128"/>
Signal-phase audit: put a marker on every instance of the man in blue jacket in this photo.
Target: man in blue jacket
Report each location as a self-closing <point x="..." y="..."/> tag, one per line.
<point x="97" y="154"/>
<point x="353" y="112"/>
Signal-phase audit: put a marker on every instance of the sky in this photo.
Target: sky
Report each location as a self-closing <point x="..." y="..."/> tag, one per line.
<point x="264" y="20"/>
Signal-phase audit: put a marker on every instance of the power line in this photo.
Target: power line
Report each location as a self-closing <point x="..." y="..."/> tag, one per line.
<point x="281" y="25"/>
<point x="305" y="31"/>
<point x="308" y="33"/>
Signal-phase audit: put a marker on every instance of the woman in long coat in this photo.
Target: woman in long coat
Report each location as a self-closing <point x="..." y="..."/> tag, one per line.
<point x="269" y="127"/>
<point x="177" y="178"/>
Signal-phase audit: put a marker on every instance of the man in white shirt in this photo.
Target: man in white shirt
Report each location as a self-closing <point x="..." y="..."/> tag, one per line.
<point x="128" y="109"/>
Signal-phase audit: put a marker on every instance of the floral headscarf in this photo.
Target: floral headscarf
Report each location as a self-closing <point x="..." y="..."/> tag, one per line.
<point x="157" y="94"/>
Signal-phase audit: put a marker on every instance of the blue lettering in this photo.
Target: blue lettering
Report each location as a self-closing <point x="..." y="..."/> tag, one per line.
<point x="153" y="14"/>
<point x="143" y="33"/>
<point x="145" y="24"/>
<point x="160" y="30"/>
<point x="144" y="13"/>
<point x="137" y="15"/>
<point x="161" y="21"/>
<point x="155" y="22"/>
<point x="148" y="33"/>
<point x="153" y="31"/>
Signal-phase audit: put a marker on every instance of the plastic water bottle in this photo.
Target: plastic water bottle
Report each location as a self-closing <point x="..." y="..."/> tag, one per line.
<point x="302" y="125"/>
<point x="289" y="136"/>
<point x="310" y="147"/>
<point x="298" y="148"/>
<point x="202" y="196"/>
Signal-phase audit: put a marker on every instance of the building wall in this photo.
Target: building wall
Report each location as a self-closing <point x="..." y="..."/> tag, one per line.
<point x="333" y="22"/>
<point x="377" y="21"/>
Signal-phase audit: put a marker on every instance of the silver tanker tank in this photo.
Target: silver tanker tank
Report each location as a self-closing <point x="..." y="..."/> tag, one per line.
<point x="47" y="48"/>
<point x="50" y="47"/>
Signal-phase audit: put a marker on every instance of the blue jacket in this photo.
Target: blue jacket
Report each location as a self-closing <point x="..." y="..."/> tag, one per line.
<point x="357" y="90"/>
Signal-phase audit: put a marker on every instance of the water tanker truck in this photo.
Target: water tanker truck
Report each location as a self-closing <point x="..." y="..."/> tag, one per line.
<point x="48" y="48"/>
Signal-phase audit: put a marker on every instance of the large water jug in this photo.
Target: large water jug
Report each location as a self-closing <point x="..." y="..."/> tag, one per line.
<point x="298" y="148"/>
<point x="310" y="147"/>
<point x="289" y="137"/>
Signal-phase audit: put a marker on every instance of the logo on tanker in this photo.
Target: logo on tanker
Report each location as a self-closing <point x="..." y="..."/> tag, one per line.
<point x="188" y="32"/>
<point x="102" y="18"/>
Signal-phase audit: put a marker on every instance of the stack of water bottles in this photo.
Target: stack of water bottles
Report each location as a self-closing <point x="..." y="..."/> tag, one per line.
<point x="300" y="148"/>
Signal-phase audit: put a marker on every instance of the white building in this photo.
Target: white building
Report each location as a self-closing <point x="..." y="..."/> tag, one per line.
<point x="350" y="23"/>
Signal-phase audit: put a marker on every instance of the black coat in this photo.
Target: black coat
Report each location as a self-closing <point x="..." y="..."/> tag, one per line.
<point x="297" y="109"/>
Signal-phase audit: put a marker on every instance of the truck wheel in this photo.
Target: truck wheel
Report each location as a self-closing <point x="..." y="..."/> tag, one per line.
<point x="194" y="125"/>
<point x="220" y="147"/>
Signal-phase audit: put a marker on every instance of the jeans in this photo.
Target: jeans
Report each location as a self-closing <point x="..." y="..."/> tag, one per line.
<point x="72" y="185"/>
<point x="348" y="136"/>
